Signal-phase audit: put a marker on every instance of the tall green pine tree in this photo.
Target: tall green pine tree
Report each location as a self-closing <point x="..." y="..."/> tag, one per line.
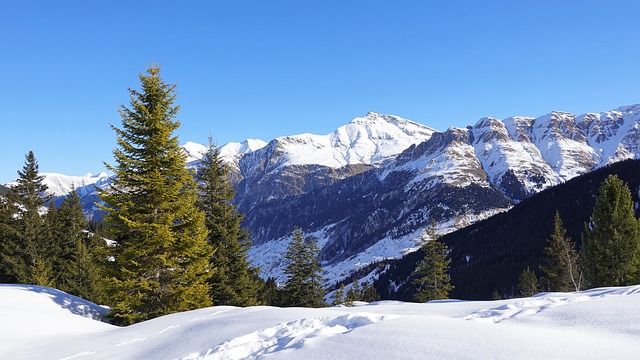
<point x="432" y="274"/>
<point x="31" y="249"/>
<point x="560" y="267"/>
<point x="234" y="281"/>
<point x="611" y="239"/>
<point x="161" y="258"/>
<point x="304" y="273"/>
<point x="527" y="283"/>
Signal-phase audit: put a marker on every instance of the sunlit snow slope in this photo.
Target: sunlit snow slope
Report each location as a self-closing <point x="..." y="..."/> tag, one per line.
<point x="41" y="323"/>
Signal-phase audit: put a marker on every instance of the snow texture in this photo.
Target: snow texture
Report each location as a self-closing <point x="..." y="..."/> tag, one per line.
<point x="43" y="323"/>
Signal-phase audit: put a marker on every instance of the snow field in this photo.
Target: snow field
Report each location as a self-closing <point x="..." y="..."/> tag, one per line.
<point x="42" y="323"/>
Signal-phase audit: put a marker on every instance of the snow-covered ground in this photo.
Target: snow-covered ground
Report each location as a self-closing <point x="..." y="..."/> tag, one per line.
<point x="43" y="323"/>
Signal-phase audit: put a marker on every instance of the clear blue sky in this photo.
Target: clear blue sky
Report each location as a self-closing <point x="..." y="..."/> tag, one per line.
<point x="262" y="69"/>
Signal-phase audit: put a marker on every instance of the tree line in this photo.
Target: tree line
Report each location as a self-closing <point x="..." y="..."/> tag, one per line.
<point x="610" y="254"/>
<point x="175" y="240"/>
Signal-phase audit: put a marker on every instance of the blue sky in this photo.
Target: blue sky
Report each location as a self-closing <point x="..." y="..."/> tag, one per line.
<point x="262" y="69"/>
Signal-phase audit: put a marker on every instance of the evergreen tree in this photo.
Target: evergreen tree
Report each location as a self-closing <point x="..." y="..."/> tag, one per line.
<point x="527" y="283"/>
<point x="73" y="263"/>
<point x="161" y="257"/>
<point x="11" y="257"/>
<point x="369" y="293"/>
<point x="338" y="296"/>
<point x="432" y="273"/>
<point x="354" y="293"/>
<point x="31" y="251"/>
<point x="304" y="280"/>
<point x="611" y="239"/>
<point x="560" y="267"/>
<point x="234" y="281"/>
<point x="270" y="294"/>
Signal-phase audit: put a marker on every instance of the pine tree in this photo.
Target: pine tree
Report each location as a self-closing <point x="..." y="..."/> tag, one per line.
<point x="270" y="294"/>
<point x="73" y="259"/>
<point x="611" y="239"/>
<point x="338" y="296"/>
<point x="304" y="280"/>
<point x="11" y="258"/>
<point x="527" y="283"/>
<point x="354" y="293"/>
<point x="560" y="268"/>
<point x="31" y="256"/>
<point x="369" y="293"/>
<point x="161" y="257"/>
<point x="432" y="273"/>
<point x="234" y="281"/>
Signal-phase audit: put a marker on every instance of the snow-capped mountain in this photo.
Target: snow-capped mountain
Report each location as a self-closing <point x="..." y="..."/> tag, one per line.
<point x="375" y="182"/>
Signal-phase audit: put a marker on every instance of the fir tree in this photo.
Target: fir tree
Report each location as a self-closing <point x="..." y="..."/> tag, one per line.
<point x="527" y="283"/>
<point x="369" y="293"/>
<point x="270" y="294"/>
<point x="74" y="263"/>
<point x="161" y="257"/>
<point x="354" y="293"/>
<point x="11" y="257"/>
<point x="304" y="280"/>
<point x="611" y="239"/>
<point x="432" y="273"/>
<point x="234" y="281"/>
<point x="339" y="296"/>
<point x="31" y="251"/>
<point x="560" y="267"/>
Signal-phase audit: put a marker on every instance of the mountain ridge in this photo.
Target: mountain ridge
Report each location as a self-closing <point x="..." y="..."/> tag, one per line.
<point x="382" y="178"/>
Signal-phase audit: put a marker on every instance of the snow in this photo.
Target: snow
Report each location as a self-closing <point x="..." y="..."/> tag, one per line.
<point x="61" y="185"/>
<point x="594" y="324"/>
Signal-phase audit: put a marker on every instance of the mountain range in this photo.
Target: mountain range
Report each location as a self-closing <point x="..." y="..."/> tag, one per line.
<point x="367" y="190"/>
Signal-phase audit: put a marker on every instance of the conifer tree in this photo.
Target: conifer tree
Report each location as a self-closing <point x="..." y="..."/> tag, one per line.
<point x="369" y="293"/>
<point x="527" y="283"/>
<point x="161" y="257"/>
<point x="611" y="239"/>
<point x="73" y="260"/>
<point x="31" y="251"/>
<point x="354" y="293"/>
<point x="11" y="258"/>
<point x="560" y="267"/>
<point x="270" y="294"/>
<point x="432" y="273"/>
<point x="234" y="281"/>
<point x="338" y="296"/>
<point x="304" y="280"/>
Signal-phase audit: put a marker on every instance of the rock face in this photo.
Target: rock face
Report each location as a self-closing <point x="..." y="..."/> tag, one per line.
<point x="381" y="179"/>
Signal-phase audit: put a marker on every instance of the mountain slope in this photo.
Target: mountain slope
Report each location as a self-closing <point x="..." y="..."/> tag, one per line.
<point x="490" y="254"/>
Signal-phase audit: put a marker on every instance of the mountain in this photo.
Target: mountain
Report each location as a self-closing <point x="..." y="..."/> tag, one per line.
<point x="489" y="255"/>
<point x="368" y="189"/>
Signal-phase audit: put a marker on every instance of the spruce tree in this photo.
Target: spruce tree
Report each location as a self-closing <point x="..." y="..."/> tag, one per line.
<point x="74" y="263"/>
<point x="560" y="265"/>
<point x="161" y="257"/>
<point x="369" y="293"/>
<point x="11" y="257"/>
<point x="354" y="293"/>
<point x="339" y="296"/>
<point x="31" y="256"/>
<point x="234" y="281"/>
<point x="527" y="283"/>
<point x="431" y="275"/>
<point x="611" y="239"/>
<point x="304" y="280"/>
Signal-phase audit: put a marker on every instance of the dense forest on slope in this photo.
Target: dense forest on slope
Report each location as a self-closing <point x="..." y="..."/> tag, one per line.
<point x="489" y="255"/>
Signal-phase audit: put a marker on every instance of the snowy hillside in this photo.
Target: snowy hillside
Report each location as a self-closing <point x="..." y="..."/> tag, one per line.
<point x="42" y="323"/>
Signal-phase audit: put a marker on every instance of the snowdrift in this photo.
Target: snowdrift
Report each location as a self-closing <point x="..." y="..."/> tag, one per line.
<point x="43" y="323"/>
